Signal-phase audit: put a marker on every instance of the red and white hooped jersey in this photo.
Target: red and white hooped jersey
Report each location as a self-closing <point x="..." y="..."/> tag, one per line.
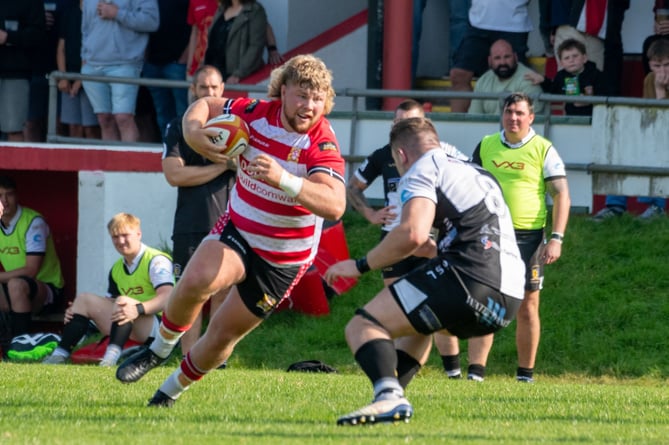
<point x="278" y="229"/>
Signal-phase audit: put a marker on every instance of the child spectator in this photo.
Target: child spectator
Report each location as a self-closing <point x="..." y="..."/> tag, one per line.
<point x="656" y="83"/>
<point x="578" y="77"/>
<point x="660" y="30"/>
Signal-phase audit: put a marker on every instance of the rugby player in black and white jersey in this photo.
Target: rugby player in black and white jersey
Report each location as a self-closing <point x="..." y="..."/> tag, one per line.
<point x="472" y="284"/>
<point x="381" y="164"/>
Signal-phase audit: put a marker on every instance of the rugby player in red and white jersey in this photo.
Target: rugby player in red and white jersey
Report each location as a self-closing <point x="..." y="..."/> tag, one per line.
<point x="289" y="179"/>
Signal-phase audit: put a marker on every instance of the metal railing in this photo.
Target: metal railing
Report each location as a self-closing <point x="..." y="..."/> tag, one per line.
<point x="357" y="94"/>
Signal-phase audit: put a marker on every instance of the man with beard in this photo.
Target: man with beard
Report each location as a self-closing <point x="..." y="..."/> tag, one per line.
<point x="289" y="179"/>
<point x="505" y="75"/>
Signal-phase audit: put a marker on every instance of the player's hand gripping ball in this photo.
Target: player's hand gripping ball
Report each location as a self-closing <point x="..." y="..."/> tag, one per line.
<point x="233" y="134"/>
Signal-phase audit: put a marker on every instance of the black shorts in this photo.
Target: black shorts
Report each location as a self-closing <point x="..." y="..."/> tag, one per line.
<point x="402" y="267"/>
<point x="531" y="246"/>
<point x="184" y="245"/>
<point x="436" y="296"/>
<point x="56" y="293"/>
<point x="265" y="285"/>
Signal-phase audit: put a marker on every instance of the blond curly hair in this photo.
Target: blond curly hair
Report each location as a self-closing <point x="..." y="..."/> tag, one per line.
<point x="307" y="71"/>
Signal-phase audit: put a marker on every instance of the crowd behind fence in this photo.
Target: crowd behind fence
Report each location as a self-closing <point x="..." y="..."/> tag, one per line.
<point x="358" y="94"/>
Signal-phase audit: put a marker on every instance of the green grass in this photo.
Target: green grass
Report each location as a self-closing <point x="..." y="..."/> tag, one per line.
<point x="243" y="406"/>
<point x="602" y="370"/>
<point x="604" y="308"/>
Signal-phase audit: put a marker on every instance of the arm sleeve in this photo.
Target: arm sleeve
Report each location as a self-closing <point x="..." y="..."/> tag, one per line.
<point x="140" y="16"/>
<point x="172" y="139"/>
<point x="161" y="271"/>
<point x="257" y="41"/>
<point x="36" y="236"/>
<point x="370" y="169"/>
<point x="112" y="287"/>
<point x="553" y="165"/>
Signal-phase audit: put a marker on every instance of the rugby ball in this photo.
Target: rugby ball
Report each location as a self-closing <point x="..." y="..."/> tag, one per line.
<point x="233" y="134"/>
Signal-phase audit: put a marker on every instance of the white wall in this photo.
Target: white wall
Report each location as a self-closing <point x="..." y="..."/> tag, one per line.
<point x="104" y="194"/>
<point x="297" y="21"/>
<point x="635" y="137"/>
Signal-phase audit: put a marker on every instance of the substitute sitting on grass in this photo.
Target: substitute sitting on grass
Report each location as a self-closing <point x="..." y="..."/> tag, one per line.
<point x="139" y="284"/>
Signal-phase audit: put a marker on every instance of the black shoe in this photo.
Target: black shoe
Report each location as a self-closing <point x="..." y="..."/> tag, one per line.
<point x="137" y="365"/>
<point x="161" y="400"/>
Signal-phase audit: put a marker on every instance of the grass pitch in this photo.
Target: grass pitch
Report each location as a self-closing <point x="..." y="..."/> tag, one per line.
<point x="44" y="404"/>
<point x="602" y="370"/>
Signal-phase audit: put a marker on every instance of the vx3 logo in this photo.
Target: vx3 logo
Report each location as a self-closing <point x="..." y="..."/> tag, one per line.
<point x="509" y="165"/>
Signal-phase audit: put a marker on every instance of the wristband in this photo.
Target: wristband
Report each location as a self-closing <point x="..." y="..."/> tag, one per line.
<point x="290" y="184"/>
<point x="140" y="309"/>
<point x="556" y="236"/>
<point x="362" y="265"/>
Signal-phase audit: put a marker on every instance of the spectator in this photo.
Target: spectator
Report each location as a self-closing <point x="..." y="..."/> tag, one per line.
<point x="32" y="280"/>
<point x="22" y="30"/>
<point x="552" y="14"/>
<point x="165" y="58"/>
<point x="76" y="111"/>
<point x="44" y="62"/>
<point x="290" y="179"/>
<point x="488" y="22"/>
<point x="577" y="77"/>
<point x="457" y="25"/>
<point x="139" y="284"/>
<point x="656" y="83"/>
<point x="237" y="39"/>
<point x="505" y="75"/>
<point x="114" y="38"/>
<point x="200" y="17"/>
<point x="660" y="30"/>
<point x="655" y="86"/>
<point x="598" y="24"/>
<point x="471" y="286"/>
<point x="525" y="193"/>
<point x="203" y="189"/>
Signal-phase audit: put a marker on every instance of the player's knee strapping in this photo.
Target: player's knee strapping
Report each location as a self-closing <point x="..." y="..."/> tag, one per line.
<point x="367" y="316"/>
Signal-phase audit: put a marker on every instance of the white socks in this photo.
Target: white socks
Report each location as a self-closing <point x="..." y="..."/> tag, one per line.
<point x="172" y="386"/>
<point x="112" y="354"/>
